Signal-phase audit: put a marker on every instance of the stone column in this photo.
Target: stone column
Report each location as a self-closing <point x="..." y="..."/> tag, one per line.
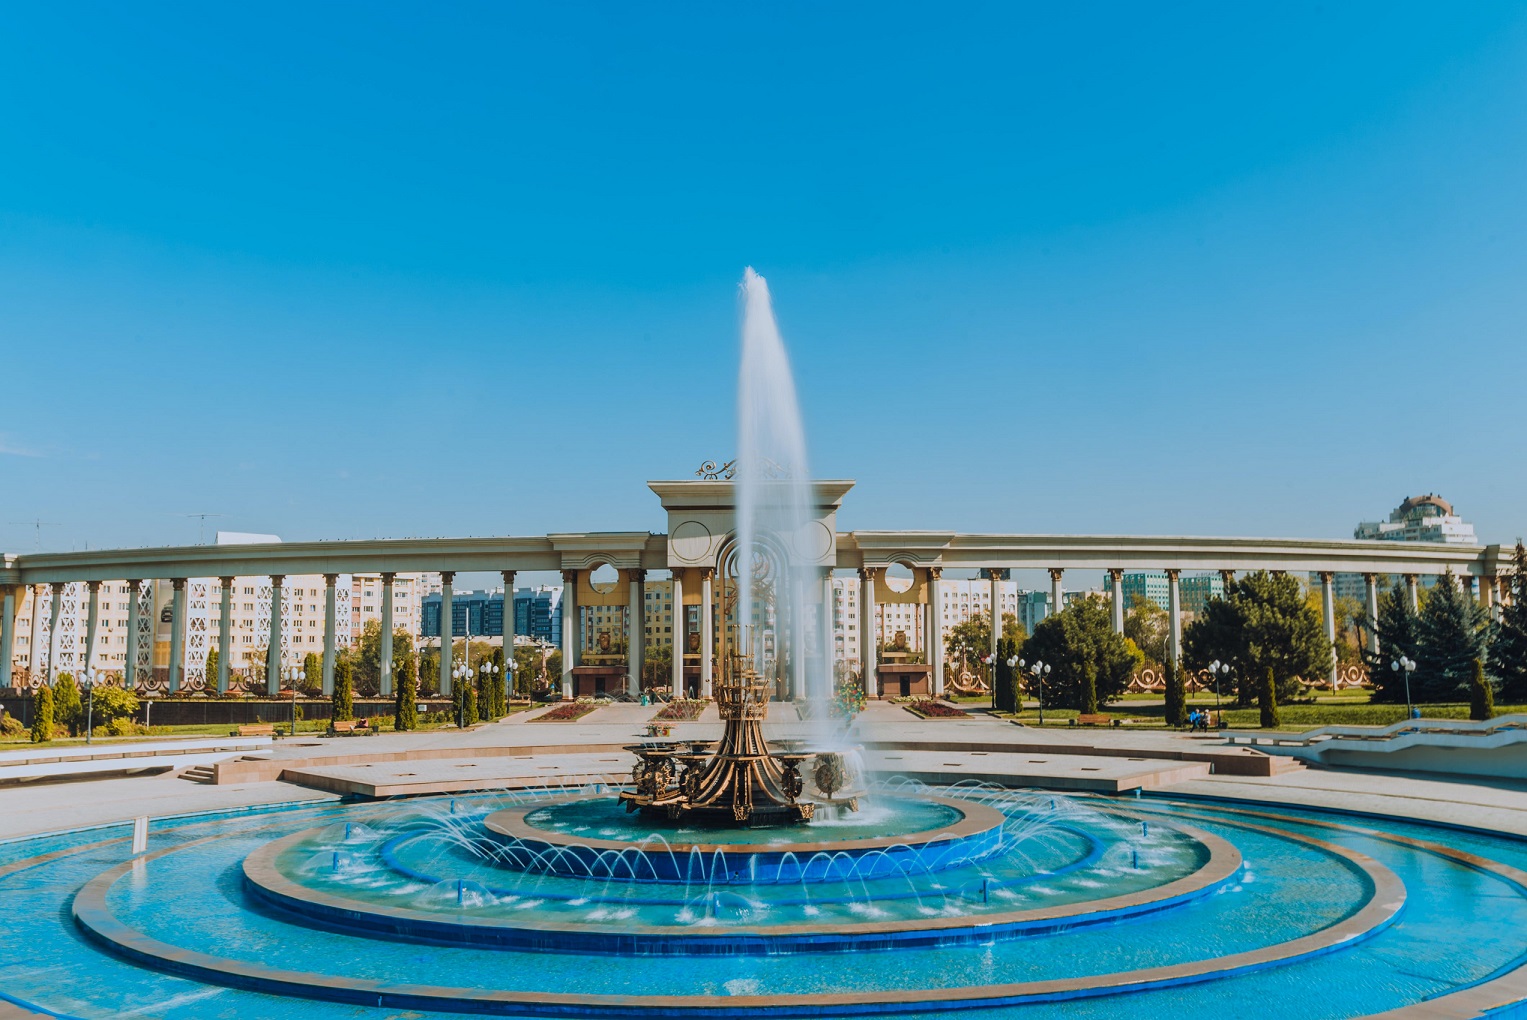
<point x="1487" y="593"/>
<point x="636" y="632"/>
<point x="177" y="632"/>
<point x="1328" y="609"/>
<point x="707" y="631"/>
<point x="1226" y="579"/>
<point x="1057" y="594"/>
<point x="996" y="615"/>
<point x="829" y="636"/>
<point x="1371" y="582"/>
<point x="330" y="626"/>
<point x="570" y="629"/>
<point x="935" y="631"/>
<point x="679" y="628"/>
<point x="447" y="636"/>
<point x="1174" y="616"/>
<point x="224" y="635"/>
<point x="386" y="665"/>
<point x="130" y="662"/>
<point x="7" y="633"/>
<point x="867" y="631"/>
<point x="55" y="605"/>
<point x="1116" y="588"/>
<point x="92" y="622"/>
<point x="1412" y="591"/>
<point x="273" y="639"/>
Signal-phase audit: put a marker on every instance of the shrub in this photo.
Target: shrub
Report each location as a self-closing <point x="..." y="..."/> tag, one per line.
<point x="67" y="710"/>
<point x="1269" y="700"/>
<point x="406" y="699"/>
<point x="109" y="704"/>
<point x="342" y="702"/>
<point x="930" y="709"/>
<point x="10" y="726"/>
<point x="1176" y="695"/>
<point x="1481" y="695"/>
<point x="568" y="711"/>
<point x="42" y="715"/>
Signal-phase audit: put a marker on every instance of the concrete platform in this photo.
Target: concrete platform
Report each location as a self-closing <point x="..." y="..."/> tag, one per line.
<point x="1043" y="771"/>
<point x="462" y="775"/>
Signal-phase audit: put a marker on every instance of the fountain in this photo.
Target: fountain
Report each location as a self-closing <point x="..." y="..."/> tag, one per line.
<point x="809" y="892"/>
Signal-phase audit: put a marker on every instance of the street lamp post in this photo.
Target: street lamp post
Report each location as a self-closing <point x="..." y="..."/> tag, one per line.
<point x="461" y="674"/>
<point x="294" y="676"/>
<point x="991" y="677"/>
<point x="1219" y="669"/>
<point x="87" y="681"/>
<point x="487" y="669"/>
<point x="1409" y="667"/>
<point x="1039" y="670"/>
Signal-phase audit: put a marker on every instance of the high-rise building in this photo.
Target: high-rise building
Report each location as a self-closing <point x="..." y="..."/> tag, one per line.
<point x="1193" y="590"/>
<point x="1428" y="518"/>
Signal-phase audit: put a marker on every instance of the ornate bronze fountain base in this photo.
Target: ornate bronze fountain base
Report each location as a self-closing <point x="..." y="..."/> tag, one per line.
<point x="738" y="780"/>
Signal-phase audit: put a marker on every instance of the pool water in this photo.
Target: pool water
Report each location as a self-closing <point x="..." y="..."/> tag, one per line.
<point x="1354" y="908"/>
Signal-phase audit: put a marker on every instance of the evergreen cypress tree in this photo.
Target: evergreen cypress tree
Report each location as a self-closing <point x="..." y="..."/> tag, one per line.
<point x="1089" y="688"/>
<point x="42" y="715"/>
<point x="1399" y="633"/>
<point x="68" y="710"/>
<point x="1269" y="700"/>
<point x="484" y="697"/>
<point x="1452" y="634"/>
<point x="1508" y="649"/>
<point x="1176" y="695"/>
<point x="1005" y="697"/>
<point x="405" y="714"/>
<point x="210" y="670"/>
<point x="342" y="701"/>
<point x="1481" y="696"/>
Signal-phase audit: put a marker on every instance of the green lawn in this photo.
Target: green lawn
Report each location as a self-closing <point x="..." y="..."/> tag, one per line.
<point x="1342" y="709"/>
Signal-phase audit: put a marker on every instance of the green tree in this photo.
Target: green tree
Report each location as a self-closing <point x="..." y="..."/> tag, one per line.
<point x="484" y="695"/>
<point x="405" y="714"/>
<point x="1147" y="625"/>
<point x="1269" y="700"/>
<point x="368" y="659"/>
<point x="1262" y="622"/>
<point x="1089" y="662"/>
<point x="312" y="668"/>
<point x="527" y="668"/>
<point x="1451" y="635"/>
<point x="657" y="669"/>
<point x="464" y="702"/>
<point x="429" y="671"/>
<point x="210" y="670"/>
<point x="1176" y="694"/>
<point x="1508" y="647"/>
<point x="68" y="710"/>
<point x="342" y="701"/>
<point x="111" y="703"/>
<point x="1481" y="696"/>
<point x="1007" y="696"/>
<point x="42" y="715"/>
<point x="404" y="653"/>
<point x="974" y="633"/>
<point x="554" y="668"/>
<point x="1399" y="634"/>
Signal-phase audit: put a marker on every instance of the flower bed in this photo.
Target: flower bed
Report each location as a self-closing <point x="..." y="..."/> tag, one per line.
<point x="926" y="708"/>
<point x="681" y="710"/>
<point x="568" y="711"/>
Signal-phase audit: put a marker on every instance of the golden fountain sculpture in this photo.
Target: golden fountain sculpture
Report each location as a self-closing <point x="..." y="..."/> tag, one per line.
<point x="738" y="780"/>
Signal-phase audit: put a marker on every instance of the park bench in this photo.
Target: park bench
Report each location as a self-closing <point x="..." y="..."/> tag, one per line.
<point x="349" y="728"/>
<point x="1092" y="720"/>
<point x="263" y="729"/>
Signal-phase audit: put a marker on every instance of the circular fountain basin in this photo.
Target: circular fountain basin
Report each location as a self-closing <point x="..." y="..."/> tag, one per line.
<point x="594" y="837"/>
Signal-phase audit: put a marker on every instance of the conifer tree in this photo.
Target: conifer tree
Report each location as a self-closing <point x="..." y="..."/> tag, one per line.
<point x="342" y="701"/>
<point x="1176" y="694"/>
<point x="405" y="714"/>
<point x="1481" y="696"/>
<point x="1508" y="649"/>
<point x="1452" y="634"/>
<point x="68" y="710"/>
<point x="42" y="715"/>
<point x="1399" y="634"/>
<point x="1269" y="700"/>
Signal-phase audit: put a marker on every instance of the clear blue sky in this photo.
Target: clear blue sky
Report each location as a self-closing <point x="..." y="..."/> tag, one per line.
<point x="343" y="270"/>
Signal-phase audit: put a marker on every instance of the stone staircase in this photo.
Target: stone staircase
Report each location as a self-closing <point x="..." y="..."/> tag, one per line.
<point x="204" y="774"/>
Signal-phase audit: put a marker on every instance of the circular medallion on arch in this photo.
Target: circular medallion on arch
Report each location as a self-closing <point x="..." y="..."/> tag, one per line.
<point x="690" y="542"/>
<point x="604" y="579"/>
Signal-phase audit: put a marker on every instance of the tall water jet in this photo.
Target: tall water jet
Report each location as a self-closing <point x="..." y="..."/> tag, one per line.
<point x="775" y="557"/>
